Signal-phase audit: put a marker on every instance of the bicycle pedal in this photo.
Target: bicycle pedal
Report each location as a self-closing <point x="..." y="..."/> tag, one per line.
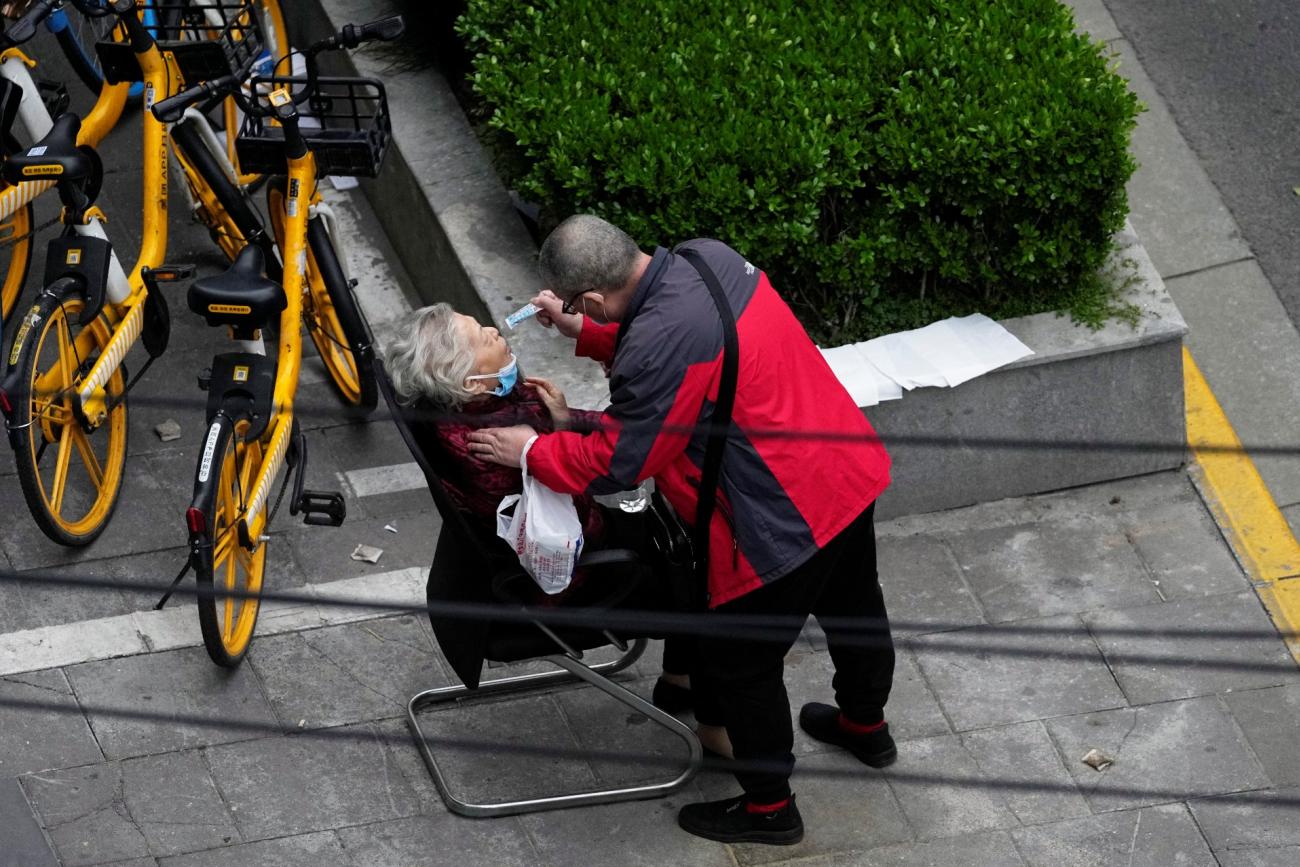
<point x="55" y="96"/>
<point x="322" y="508"/>
<point x="205" y="379"/>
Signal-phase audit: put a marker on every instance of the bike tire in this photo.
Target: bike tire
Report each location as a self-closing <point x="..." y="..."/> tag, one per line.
<point x="15" y="257"/>
<point x="77" y="38"/>
<point x="47" y="345"/>
<point x="227" y="470"/>
<point x="334" y="320"/>
<point x="274" y="28"/>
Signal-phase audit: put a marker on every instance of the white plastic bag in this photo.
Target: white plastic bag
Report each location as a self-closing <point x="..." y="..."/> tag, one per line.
<point x="544" y="531"/>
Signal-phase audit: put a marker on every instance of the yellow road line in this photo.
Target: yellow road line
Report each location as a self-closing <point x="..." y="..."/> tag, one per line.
<point x="1243" y="506"/>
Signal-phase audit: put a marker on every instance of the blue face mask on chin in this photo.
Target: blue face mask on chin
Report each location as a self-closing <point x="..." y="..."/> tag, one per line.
<point x="506" y="377"/>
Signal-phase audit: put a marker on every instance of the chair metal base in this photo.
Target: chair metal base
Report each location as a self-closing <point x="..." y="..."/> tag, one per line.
<point x="573" y="670"/>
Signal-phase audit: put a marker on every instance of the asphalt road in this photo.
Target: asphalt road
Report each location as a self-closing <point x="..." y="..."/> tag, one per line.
<point x="1230" y="73"/>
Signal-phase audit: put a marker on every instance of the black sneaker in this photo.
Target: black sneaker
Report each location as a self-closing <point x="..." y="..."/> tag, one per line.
<point x="729" y="821"/>
<point x="671" y="698"/>
<point x="822" y="721"/>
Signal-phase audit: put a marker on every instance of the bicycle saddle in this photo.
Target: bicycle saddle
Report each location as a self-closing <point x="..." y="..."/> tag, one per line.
<point x="241" y="296"/>
<point x="54" y="158"/>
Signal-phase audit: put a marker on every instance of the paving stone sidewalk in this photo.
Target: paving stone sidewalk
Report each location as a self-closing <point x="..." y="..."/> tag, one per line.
<point x="992" y="725"/>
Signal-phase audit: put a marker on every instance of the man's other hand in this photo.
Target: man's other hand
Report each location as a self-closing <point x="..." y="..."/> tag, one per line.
<point x="568" y="324"/>
<point x="501" y="445"/>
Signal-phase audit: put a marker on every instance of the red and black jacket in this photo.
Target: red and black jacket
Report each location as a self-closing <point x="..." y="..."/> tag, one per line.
<point x="783" y="496"/>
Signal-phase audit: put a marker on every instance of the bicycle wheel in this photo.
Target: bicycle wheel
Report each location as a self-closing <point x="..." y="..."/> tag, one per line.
<point x="15" y="257"/>
<point x="72" y="488"/>
<point x="221" y="487"/>
<point x="274" y="28"/>
<point x="330" y="313"/>
<point x="77" y="32"/>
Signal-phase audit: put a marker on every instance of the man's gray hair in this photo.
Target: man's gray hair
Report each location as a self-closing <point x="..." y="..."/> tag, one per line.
<point x="427" y="355"/>
<point x="585" y="253"/>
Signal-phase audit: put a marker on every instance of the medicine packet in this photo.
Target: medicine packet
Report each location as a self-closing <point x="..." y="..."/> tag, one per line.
<point x="521" y="314"/>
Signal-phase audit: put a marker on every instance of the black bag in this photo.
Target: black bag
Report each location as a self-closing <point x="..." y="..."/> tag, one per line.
<point x="670" y="552"/>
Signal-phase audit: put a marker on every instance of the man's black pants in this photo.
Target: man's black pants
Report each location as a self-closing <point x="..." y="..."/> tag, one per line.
<point x="740" y="682"/>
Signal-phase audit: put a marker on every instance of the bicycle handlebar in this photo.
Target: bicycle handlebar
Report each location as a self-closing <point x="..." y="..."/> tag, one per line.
<point x="25" y="27"/>
<point x="100" y="8"/>
<point x="383" y="30"/>
<point x="169" y="110"/>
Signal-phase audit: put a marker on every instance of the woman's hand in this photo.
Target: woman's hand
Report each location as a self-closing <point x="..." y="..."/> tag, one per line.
<point x="554" y="400"/>
<point x="568" y="324"/>
<point x="501" y="445"/>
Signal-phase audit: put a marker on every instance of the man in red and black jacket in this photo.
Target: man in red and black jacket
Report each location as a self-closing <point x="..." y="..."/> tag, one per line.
<point x="792" y="532"/>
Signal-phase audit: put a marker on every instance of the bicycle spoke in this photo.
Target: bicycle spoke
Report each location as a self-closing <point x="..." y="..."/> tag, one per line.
<point x="67" y="352"/>
<point x="222" y="549"/>
<point x="245" y="558"/>
<point x="228" y="484"/>
<point x="49" y="411"/>
<point x="60" y="483"/>
<point x="229" y="603"/>
<point x="47" y="386"/>
<point x="88" y="457"/>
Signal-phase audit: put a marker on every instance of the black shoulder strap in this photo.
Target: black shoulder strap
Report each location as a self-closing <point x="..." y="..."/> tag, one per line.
<point x="721" y="422"/>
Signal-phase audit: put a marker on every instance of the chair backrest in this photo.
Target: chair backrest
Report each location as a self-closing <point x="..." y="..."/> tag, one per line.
<point x="404" y="417"/>
<point x="466" y="565"/>
<point x="463" y="564"/>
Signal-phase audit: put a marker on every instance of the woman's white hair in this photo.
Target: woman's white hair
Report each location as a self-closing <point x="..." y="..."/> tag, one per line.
<point x="428" y="355"/>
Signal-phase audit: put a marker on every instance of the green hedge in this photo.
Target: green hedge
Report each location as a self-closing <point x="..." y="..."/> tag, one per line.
<point x="888" y="162"/>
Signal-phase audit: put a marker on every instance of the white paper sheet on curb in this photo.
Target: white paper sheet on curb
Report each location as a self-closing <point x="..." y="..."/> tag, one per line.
<point x="862" y="379"/>
<point x="945" y="353"/>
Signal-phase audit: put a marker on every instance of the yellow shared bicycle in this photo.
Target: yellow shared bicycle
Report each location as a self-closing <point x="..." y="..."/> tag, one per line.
<point x="252" y="435"/>
<point x="64" y="390"/>
<point x="26" y="116"/>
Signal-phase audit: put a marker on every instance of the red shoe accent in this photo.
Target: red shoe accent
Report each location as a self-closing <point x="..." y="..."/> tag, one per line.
<point x="751" y="807"/>
<point x="849" y="726"/>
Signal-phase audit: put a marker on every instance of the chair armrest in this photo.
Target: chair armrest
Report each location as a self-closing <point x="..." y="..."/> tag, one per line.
<point x="612" y="574"/>
<point x="607" y="556"/>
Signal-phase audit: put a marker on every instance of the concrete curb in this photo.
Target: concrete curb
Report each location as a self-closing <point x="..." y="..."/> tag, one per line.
<point x="171" y="628"/>
<point x="1017" y="430"/>
<point x="443" y="207"/>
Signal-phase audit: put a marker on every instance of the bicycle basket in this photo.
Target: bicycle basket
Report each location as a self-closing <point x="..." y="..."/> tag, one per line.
<point x="344" y="121"/>
<point x="208" y="39"/>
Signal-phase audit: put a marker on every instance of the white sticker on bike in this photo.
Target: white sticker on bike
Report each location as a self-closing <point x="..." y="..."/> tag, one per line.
<point x="37" y="151"/>
<point x="209" y="449"/>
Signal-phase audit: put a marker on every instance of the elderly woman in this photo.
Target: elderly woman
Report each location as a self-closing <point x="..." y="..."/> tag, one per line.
<point x="468" y="378"/>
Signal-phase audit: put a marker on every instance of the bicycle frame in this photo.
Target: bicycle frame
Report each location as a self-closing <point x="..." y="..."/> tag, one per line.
<point x="275" y="35"/>
<point x="125" y="307"/>
<point x="302" y="177"/>
<point x="35" y="122"/>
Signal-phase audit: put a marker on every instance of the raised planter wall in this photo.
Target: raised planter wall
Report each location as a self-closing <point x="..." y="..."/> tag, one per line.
<point x="1086" y="407"/>
<point x="1057" y="419"/>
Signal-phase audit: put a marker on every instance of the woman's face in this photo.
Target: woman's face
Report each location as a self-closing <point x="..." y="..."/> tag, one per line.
<point x="491" y="352"/>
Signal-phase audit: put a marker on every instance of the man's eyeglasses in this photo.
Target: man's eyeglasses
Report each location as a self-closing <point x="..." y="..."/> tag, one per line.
<point x="569" y="307"/>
